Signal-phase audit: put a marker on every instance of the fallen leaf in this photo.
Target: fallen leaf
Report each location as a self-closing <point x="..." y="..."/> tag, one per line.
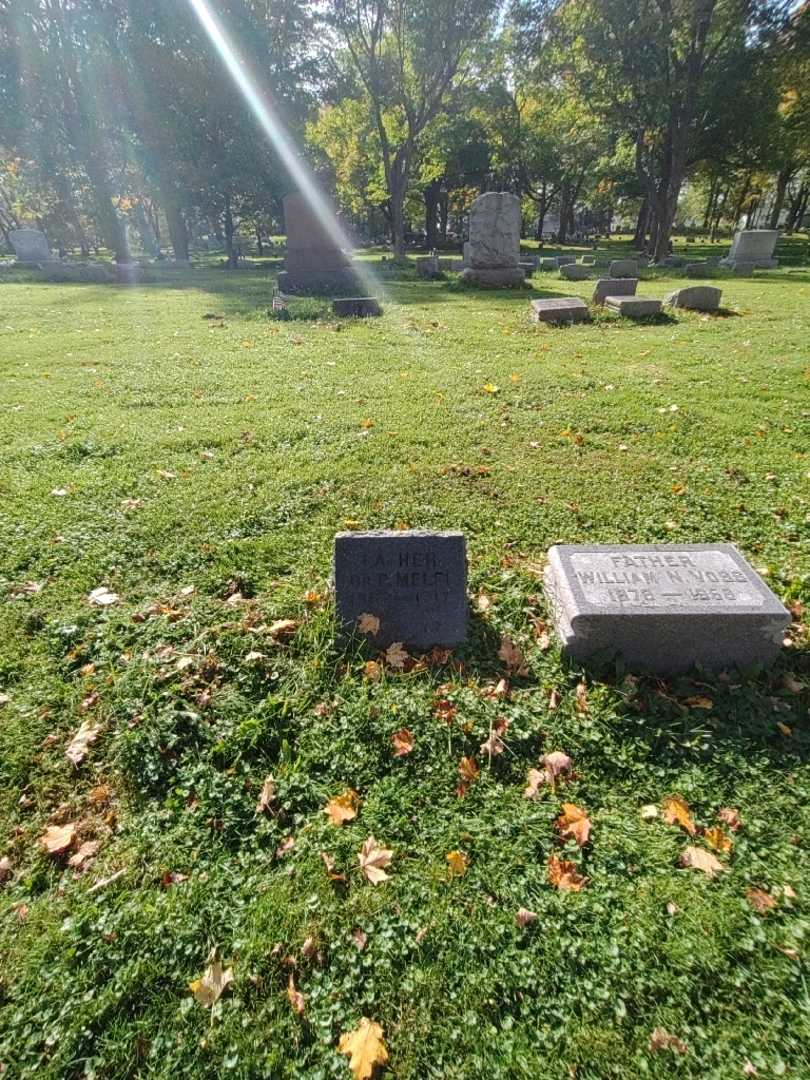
<point x="457" y="863"/>
<point x="208" y="989"/>
<point x="58" y="838"/>
<point x="789" y="892"/>
<point x="581" y="698"/>
<point x="102" y="597"/>
<point x="295" y="997"/>
<point x="649" y="812"/>
<point x="372" y="670"/>
<point x="468" y="770"/>
<point x="373" y="859"/>
<point x="574" y="824"/>
<point x="309" y="948"/>
<point x="535" y="779"/>
<point x="343" y="807"/>
<point x="553" y="700"/>
<point x="513" y="657"/>
<point x="524" y="917"/>
<point x="676" y="812"/>
<point x="267" y="795"/>
<point x="287" y="844"/>
<point x="563" y="875"/>
<point x="88" y="849"/>
<point x="760" y="900"/>
<point x="172" y="877"/>
<point x="556" y="764"/>
<point x="368" y="624"/>
<point x="494" y="744"/>
<point x="329" y="863"/>
<point x="364" y="1047"/>
<point x="700" y="859"/>
<point x="253" y="656"/>
<point x="784" y="729"/>
<point x="699" y="702"/>
<point x="403" y="742"/>
<point x="662" y="1040"/>
<point x="81" y="741"/>
<point x="282" y="628"/>
<point x="483" y="603"/>
<point x="717" y="839"/>
<point x="491" y="388"/>
<point x="731" y="817"/>
<point x="396" y="657"/>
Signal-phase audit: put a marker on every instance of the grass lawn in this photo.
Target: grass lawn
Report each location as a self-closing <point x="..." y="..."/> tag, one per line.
<point x="198" y="468"/>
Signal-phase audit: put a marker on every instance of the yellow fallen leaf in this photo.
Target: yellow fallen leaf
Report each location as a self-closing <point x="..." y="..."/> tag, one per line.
<point x="574" y="824"/>
<point x="372" y="670"/>
<point x="491" y="388"/>
<point x="364" y="1047"/>
<point x="373" y="859"/>
<point x="457" y="863"/>
<point x="208" y="989"/>
<point x="699" y="702"/>
<point x="700" y="859"/>
<point x="581" y="698"/>
<point x="343" y="807"/>
<point x="563" y="875"/>
<point x="717" y="839"/>
<point x="81" y="741"/>
<point x="676" y="812"/>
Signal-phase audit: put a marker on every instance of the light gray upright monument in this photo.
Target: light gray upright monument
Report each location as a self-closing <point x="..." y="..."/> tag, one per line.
<point x="754" y="246"/>
<point x="30" y="246"/>
<point x="665" y="608"/>
<point x="495" y="220"/>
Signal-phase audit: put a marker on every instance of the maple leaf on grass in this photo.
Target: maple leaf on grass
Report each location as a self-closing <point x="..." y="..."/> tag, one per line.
<point x="717" y="839"/>
<point x="574" y="824"/>
<point x="468" y="770"/>
<point x="662" y="1040"/>
<point x="373" y="859"/>
<point x="329" y="863"/>
<point x="557" y="764"/>
<point x="343" y="807"/>
<point x="396" y="657"/>
<point x="524" y="917"/>
<point x="564" y="875"/>
<point x="58" y="838"/>
<point x="699" y="859"/>
<point x="364" y="1048"/>
<point x="581" y="698"/>
<point x="368" y="624"/>
<point x="760" y="900"/>
<point x="208" y="989"/>
<point x="535" y="779"/>
<point x="267" y="795"/>
<point x="676" y="812"/>
<point x="88" y="850"/>
<point x="402" y="741"/>
<point x="81" y="741"/>
<point x="457" y="863"/>
<point x="495" y="745"/>
<point x="513" y="657"/>
<point x="295" y="997"/>
<point x="731" y="817"/>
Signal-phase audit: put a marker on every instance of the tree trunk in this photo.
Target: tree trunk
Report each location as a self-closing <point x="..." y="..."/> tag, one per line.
<point x="259" y="244"/>
<point x="707" y="217"/>
<point x="110" y="225"/>
<point x="779" y="199"/>
<point x="640" y="235"/>
<point x="431" y="195"/>
<point x="565" y="213"/>
<point x="233" y="261"/>
<point x="444" y="214"/>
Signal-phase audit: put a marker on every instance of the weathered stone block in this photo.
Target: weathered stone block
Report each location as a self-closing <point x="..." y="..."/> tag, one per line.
<point x="560" y="309"/>
<point x="495" y="220"/>
<point x="664" y="608"/>
<point x="30" y="245"/>
<point x="547" y="264"/>
<point x="572" y="272"/>
<point x="624" y="268"/>
<point x="743" y="269"/>
<point x="633" y="307"/>
<point x="754" y="245"/>
<point x="614" y="287"/>
<point x="414" y="582"/>
<point x="695" y="297"/>
<point x="503" y="277"/>
<point x="565" y="260"/>
<point x="314" y="262"/>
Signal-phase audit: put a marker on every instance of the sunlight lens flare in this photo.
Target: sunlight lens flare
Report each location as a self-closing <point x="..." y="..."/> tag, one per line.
<point x="275" y="130"/>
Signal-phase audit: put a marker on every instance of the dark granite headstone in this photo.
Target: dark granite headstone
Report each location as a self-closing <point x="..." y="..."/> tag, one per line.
<point x="413" y="581"/>
<point x="359" y="307"/>
<point x="664" y="607"/>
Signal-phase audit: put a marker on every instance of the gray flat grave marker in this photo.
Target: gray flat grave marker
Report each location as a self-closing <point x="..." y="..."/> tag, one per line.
<point x="413" y="581"/>
<point x="610" y="286"/>
<point x="624" y="268"/>
<point x="633" y="307"/>
<point x="560" y="309"/>
<point x="575" y="272"/>
<point x="664" y="607"/>
<point x="696" y="298"/>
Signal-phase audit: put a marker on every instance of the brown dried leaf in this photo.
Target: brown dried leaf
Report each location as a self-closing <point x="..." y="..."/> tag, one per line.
<point x="717" y="839"/>
<point x="360" y="938"/>
<point x="524" y="917"/>
<point x="208" y="989"/>
<point x="282" y="628"/>
<point x="700" y="859"/>
<point x="365" y="1048"/>
<point x="368" y="624"/>
<point x="731" y="817"/>
<point x="58" y="838"/>
<point x="295" y="997"/>
<point x="535" y="779"/>
<point x="513" y="657"/>
<point x="468" y="770"/>
<point x="662" y="1040"/>
<point x="557" y="764"/>
<point x="372" y="671"/>
<point x="396" y="657"/>
<point x="553" y="700"/>
<point x="760" y="900"/>
<point x="494" y="744"/>
<point x="329" y="863"/>
<point x="373" y="859"/>
<point x="676" y="812"/>
<point x="81" y="741"/>
<point x="573" y="823"/>
<point x="267" y="795"/>
<point x="402" y="741"/>
<point x="581" y="698"/>
<point x="563" y="875"/>
<point x="343" y="807"/>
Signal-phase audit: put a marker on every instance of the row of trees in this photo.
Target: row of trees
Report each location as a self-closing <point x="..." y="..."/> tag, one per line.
<point x="118" y="113"/>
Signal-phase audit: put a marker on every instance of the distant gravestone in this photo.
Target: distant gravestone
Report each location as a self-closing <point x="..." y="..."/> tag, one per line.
<point x="755" y="246"/>
<point x="699" y="270"/>
<point x="588" y="260"/>
<point x="30" y="245"/>
<point x="614" y="287"/>
<point x="674" y="260"/>
<point x="314" y="262"/>
<point x="664" y="608"/>
<point x="633" y="307"/>
<point x="742" y="269"/>
<point x="624" y="268"/>
<point x="495" y="220"/>
<point x="560" y="309"/>
<point x="428" y="267"/>
<point x="573" y="272"/>
<point x="414" y="582"/>
<point x="696" y="298"/>
<point x="357" y="307"/>
<point x="565" y="260"/>
<point x="547" y="264"/>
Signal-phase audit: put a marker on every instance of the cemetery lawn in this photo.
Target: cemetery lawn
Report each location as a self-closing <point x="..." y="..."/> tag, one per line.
<point x="198" y="468"/>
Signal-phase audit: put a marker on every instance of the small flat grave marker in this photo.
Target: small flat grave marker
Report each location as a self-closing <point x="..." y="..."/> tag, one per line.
<point x="413" y="581"/>
<point x="664" y="607"/>
<point x="633" y="307"/>
<point x="560" y="309"/>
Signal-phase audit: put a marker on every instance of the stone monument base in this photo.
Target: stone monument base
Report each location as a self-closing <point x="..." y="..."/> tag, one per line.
<point x="317" y="281"/>
<point x="494" y="277"/>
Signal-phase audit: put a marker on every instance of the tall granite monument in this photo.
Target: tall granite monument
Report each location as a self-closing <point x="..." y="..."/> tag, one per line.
<point x="495" y="220"/>
<point x="314" y="263"/>
<point x="30" y="246"/>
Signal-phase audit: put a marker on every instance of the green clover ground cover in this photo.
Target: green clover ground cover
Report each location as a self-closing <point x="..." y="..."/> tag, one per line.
<point x="223" y="454"/>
